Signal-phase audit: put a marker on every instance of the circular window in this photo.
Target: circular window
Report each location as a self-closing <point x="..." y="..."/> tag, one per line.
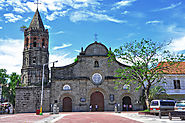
<point x="96" y="78"/>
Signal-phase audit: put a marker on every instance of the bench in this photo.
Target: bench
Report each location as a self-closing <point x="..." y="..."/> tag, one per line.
<point x="180" y="114"/>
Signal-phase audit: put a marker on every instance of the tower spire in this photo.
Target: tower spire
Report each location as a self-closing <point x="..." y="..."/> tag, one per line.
<point x="36" y="22"/>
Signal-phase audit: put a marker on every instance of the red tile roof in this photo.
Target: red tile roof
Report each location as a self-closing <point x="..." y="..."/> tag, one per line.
<point x="175" y="68"/>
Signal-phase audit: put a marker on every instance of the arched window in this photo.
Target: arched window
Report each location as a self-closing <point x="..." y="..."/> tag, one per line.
<point x="27" y="61"/>
<point x="96" y="64"/>
<point x="34" y="42"/>
<point x="27" y="40"/>
<point x="34" y="60"/>
<point x="66" y="87"/>
<point x="43" y="43"/>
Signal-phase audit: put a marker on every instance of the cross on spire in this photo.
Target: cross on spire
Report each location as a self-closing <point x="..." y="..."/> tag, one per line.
<point x="95" y="37"/>
<point x="37" y="3"/>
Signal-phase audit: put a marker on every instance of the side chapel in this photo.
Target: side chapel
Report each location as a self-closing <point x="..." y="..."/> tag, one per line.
<point x="88" y="81"/>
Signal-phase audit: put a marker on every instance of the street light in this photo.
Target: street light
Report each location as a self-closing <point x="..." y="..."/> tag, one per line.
<point x="43" y="84"/>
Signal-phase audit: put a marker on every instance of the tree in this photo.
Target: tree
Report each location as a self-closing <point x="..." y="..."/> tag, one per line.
<point x="144" y="70"/>
<point x="14" y="81"/>
<point x="3" y="81"/>
<point x="156" y="91"/>
<point x="22" y="28"/>
<point x="9" y="82"/>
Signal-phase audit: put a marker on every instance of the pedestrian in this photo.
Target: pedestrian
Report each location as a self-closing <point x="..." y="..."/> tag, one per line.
<point x="124" y="107"/>
<point x="90" y="107"/>
<point x="130" y="107"/>
<point x="51" y="107"/>
<point x="115" y="108"/>
<point x="96" y="107"/>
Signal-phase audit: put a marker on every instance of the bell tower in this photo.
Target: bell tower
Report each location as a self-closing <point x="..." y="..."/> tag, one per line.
<point x="35" y="52"/>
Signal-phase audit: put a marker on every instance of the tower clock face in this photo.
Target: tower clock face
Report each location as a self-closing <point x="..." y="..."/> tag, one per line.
<point x="97" y="78"/>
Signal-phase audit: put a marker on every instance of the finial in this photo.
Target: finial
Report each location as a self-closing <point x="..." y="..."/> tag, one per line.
<point x="110" y="48"/>
<point x="37" y="4"/>
<point x="95" y="37"/>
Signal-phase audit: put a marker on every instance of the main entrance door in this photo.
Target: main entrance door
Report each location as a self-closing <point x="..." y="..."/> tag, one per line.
<point x="126" y="102"/>
<point x="97" y="98"/>
<point x="67" y="104"/>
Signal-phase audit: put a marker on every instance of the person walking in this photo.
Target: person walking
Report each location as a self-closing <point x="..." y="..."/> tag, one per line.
<point x="96" y="107"/>
<point x="90" y="107"/>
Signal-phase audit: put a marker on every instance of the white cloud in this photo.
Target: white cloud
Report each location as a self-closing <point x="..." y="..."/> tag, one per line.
<point x="60" y="32"/>
<point x="54" y="15"/>
<point x="178" y="44"/>
<point x="27" y="19"/>
<point x="87" y="15"/>
<point x="61" y="47"/>
<point x="62" y="60"/>
<point x="11" y="54"/>
<point x="125" y="12"/>
<point x="175" y="30"/>
<point x="123" y="3"/>
<point x="153" y="22"/>
<point x="169" y="7"/>
<point x="78" y="51"/>
<point x="12" y="18"/>
<point x="47" y="26"/>
<point x="20" y="10"/>
<point x="1" y="27"/>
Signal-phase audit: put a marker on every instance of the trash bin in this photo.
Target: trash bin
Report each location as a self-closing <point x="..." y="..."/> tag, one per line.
<point x="37" y="111"/>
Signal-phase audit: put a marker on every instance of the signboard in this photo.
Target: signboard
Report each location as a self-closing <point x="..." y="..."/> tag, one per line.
<point x="82" y="99"/>
<point x="111" y="97"/>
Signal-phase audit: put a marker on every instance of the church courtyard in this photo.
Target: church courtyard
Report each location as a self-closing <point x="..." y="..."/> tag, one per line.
<point x="86" y="117"/>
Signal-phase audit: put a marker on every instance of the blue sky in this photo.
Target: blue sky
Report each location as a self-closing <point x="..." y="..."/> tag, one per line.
<point x="73" y="23"/>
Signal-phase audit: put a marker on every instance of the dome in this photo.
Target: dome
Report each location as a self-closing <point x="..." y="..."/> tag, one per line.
<point x="96" y="49"/>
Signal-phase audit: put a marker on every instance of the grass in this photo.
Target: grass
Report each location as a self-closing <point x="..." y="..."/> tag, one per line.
<point x="147" y="110"/>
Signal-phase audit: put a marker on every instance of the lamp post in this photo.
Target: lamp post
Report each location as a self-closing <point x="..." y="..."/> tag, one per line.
<point x="43" y="84"/>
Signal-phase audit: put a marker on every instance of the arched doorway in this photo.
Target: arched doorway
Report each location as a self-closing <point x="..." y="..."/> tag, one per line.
<point x="97" y="98"/>
<point x="126" y="103"/>
<point x="67" y="104"/>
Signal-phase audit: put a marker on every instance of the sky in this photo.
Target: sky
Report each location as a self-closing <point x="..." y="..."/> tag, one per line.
<point x="72" y="24"/>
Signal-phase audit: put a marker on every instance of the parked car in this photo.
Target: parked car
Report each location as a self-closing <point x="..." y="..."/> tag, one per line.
<point x="161" y="105"/>
<point x="180" y="105"/>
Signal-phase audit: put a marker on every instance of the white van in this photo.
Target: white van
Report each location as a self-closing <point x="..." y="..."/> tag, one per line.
<point x="161" y="105"/>
<point x="180" y="105"/>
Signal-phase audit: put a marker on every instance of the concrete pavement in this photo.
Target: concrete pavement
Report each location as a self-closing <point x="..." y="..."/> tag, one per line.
<point x="148" y="118"/>
<point x="85" y="117"/>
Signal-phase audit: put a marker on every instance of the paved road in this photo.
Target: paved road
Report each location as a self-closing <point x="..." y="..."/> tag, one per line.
<point x="22" y="118"/>
<point x="95" y="117"/>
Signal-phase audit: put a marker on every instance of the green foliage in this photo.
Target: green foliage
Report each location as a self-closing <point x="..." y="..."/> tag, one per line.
<point x="147" y="110"/>
<point x="76" y="59"/>
<point x="22" y="28"/>
<point x="143" y="58"/>
<point x="155" y="92"/>
<point x="14" y="81"/>
<point x="8" y="83"/>
<point x="3" y="76"/>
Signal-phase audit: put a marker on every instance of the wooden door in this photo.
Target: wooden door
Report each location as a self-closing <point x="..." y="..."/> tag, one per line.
<point x="97" y="98"/>
<point x="67" y="104"/>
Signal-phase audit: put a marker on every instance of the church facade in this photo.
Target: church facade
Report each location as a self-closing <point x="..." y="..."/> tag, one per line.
<point x="88" y="81"/>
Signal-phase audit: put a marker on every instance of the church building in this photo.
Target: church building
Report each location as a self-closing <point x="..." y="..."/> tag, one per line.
<point x="88" y="81"/>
